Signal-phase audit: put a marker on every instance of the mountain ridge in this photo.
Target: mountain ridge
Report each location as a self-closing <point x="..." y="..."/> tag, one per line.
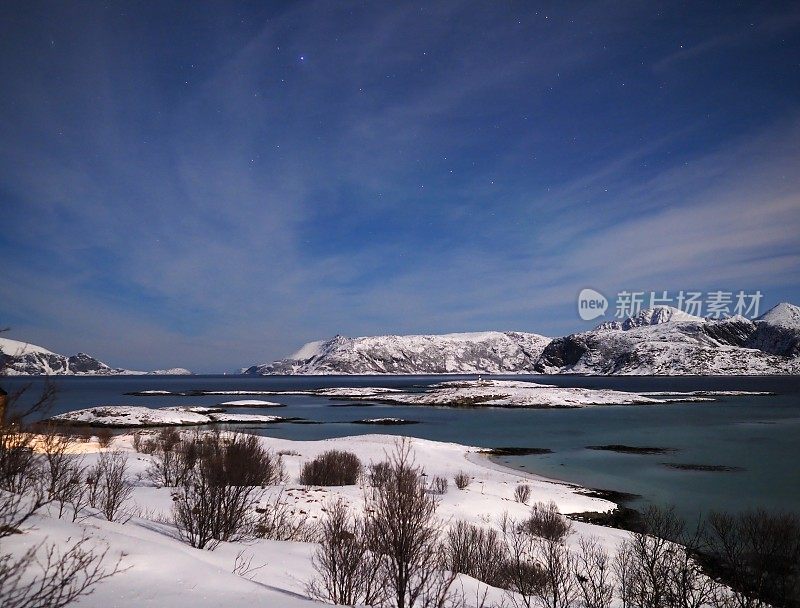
<point x="657" y="341"/>
<point x="25" y="359"/>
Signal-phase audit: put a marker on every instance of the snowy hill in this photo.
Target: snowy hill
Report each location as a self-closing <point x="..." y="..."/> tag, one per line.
<point x="24" y="359"/>
<point x="657" y="341"/>
<point x="481" y="352"/>
<point x="662" y="342"/>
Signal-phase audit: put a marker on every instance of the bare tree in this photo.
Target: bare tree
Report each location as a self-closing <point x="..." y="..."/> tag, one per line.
<point x="559" y="588"/>
<point x="593" y="573"/>
<point x="645" y="561"/>
<point x="347" y="571"/>
<point x="64" y="473"/>
<point x="112" y="488"/>
<point x="758" y="554"/>
<point x="43" y="576"/>
<point x="523" y="574"/>
<point x="404" y="533"/>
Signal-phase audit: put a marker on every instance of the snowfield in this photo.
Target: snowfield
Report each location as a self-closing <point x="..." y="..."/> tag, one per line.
<point x="160" y="570"/>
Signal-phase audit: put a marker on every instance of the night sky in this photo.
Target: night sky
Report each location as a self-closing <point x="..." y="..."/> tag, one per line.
<point x="211" y="185"/>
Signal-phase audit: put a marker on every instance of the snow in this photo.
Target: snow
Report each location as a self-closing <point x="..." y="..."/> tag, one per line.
<point x="251" y="403"/>
<point x="475" y="352"/>
<point x="160" y="570"/>
<point x="784" y="315"/>
<point x="14" y="348"/>
<point x="512" y="393"/>
<point x="173" y="371"/>
<point x="311" y="349"/>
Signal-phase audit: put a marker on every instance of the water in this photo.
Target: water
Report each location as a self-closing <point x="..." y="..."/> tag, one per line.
<point x="759" y="434"/>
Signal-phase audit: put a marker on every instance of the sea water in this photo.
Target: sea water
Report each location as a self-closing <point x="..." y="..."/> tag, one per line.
<point x="756" y="436"/>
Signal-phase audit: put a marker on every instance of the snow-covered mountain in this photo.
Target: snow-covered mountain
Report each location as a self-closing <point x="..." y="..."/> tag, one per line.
<point x="491" y="352"/>
<point x="657" y="341"/>
<point x="666" y="341"/>
<point x="23" y="359"/>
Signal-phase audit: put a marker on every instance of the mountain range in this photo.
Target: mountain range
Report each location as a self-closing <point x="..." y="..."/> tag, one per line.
<point x="657" y="341"/>
<point x="23" y="359"/>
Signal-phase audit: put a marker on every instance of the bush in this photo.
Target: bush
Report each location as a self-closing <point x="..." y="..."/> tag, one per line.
<point x="137" y="441"/>
<point x="221" y="488"/>
<point x="378" y="474"/>
<point x="476" y="552"/>
<point x="110" y="487"/>
<point x="332" y="468"/>
<point x="104" y="437"/>
<point x="462" y="480"/>
<point x="546" y="522"/>
<point x="278" y="520"/>
<point x="438" y="486"/>
<point x="522" y="493"/>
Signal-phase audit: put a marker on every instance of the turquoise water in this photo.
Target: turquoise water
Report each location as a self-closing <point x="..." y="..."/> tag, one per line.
<point x="759" y="434"/>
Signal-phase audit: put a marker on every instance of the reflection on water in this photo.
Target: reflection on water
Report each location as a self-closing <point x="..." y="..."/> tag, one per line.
<point x="759" y="434"/>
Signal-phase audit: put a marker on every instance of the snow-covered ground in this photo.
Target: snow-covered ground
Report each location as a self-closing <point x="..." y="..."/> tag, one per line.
<point x="163" y="571"/>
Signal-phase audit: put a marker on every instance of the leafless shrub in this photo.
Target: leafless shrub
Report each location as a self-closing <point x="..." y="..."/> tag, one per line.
<point x="477" y="552"/>
<point x="462" y="480"/>
<point x="644" y="562"/>
<point x="19" y="468"/>
<point x="137" y="440"/>
<point x="438" y="485"/>
<point x="217" y="499"/>
<point x="43" y="575"/>
<point x="539" y="571"/>
<point x="332" y="468"/>
<point x="348" y="572"/>
<point x="523" y="575"/>
<point x="104" y="437"/>
<point x="546" y="522"/>
<point x="148" y="445"/>
<point x="593" y="573"/>
<point x="110" y="486"/>
<point x="63" y="473"/>
<point x="758" y="554"/>
<point x="172" y="460"/>
<point x="378" y="473"/>
<point x="560" y="588"/>
<point x="46" y="576"/>
<point x="404" y="533"/>
<point x="522" y="493"/>
<point x="243" y="565"/>
<point x="288" y="453"/>
<point x="278" y="520"/>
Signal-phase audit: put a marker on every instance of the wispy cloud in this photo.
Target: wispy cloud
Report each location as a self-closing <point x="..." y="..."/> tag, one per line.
<point x="217" y="197"/>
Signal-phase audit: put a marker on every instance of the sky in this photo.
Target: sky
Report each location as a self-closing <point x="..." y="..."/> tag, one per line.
<point x="210" y="185"/>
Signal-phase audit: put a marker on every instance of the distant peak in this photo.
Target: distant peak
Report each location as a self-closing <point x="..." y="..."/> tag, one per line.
<point x="649" y="316"/>
<point x="785" y="314"/>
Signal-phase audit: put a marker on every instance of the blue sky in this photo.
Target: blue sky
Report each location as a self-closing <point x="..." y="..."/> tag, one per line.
<point x="213" y="184"/>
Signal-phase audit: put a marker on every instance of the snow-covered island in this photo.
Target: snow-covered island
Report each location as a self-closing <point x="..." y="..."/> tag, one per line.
<point x="657" y="341"/>
<point x="127" y="416"/>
